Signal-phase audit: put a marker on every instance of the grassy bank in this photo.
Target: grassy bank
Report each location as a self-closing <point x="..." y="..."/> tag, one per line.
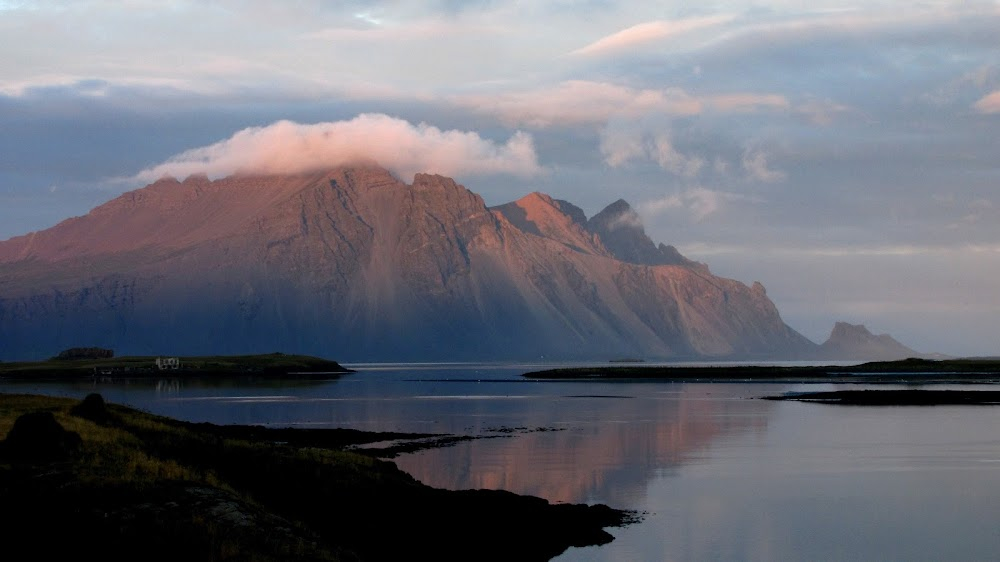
<point x="89" y="479"/>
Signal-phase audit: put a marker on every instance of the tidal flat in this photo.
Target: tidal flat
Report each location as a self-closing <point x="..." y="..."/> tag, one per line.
<point x="97" y="479"/>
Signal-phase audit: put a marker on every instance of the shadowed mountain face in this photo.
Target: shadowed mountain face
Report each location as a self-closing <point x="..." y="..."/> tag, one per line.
<point x="619" y="227"/>
<point x="354" y="264"/>
<point x="854" y="341"/>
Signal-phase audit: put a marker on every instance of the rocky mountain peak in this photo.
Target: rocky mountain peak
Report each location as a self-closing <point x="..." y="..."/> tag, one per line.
<point x="541" y="215"/>
<point x="620" y="230"/>
<point x="855" y="341"/>
<point x="356" y="263"/>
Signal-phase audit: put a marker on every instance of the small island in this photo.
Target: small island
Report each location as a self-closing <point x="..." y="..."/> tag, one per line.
<point x="90" y="479"/>
<point x="913" y="370"/>
<point x="81" y="363"/>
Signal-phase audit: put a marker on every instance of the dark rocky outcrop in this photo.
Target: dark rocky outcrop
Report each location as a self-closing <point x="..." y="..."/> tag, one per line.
<point x="37" y="436"/>
<point x="94" y="409"/>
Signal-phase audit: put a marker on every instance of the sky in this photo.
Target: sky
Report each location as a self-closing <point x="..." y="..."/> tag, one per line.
<point x="844" y="154"/>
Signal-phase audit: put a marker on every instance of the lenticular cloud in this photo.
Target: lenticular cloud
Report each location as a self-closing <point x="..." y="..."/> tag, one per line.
<point x="286" y="147"/>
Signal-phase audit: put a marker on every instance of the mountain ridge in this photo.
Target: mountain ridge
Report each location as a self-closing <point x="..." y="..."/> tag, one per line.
<point x="353" y="263"/>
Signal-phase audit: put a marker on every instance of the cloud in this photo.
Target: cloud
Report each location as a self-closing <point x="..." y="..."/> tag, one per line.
<point x="580" y="102"/>
<point x="621" y="145"/>
<point x="575" y="102"/>
<point x="743" y="102"/>
<point x="649" y="32"/>
<point x="699" y="202"/>
<point x="853" y="250"/>
<point x="662" y="150"/>
<point x="629" y="219"/>
<point x="403" y="148"/>
<point x="756" y="165"/>
<point x="989" y="103"/>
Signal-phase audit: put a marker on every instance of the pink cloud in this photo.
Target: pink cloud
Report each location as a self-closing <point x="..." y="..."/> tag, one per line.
<point x="575" y="102"/>
<point x="989" y="103"/>
<point x="743" y="102"/>
<point x="401" y="147"/>
<point x="648" y="32"/>
<point x="580" y="101"/>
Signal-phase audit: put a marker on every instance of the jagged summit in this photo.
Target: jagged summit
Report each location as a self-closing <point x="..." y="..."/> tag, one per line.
<point x="541" y="215"/>
<point x="354" y="263"/>
<point x="616" y="231"/>
<point x="621" y="230"/>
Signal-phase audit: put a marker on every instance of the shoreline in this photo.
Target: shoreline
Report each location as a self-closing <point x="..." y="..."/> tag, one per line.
<point x="273" y="365"/>
<point x="114" y="481"/>
<point x="908" y="371"/>
<point x="895" y="397"/>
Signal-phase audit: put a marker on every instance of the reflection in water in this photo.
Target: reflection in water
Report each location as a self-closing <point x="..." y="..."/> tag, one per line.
<point x="168" y="387"/>
<point x="605" y="448"/>
<point x="721" y="476"/>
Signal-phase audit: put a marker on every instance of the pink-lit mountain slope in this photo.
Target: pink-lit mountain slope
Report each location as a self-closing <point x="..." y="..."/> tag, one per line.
<point x="354" y="264"/>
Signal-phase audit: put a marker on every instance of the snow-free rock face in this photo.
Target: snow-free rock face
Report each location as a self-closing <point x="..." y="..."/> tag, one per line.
<point x="352" y="263"/>
<point x="855" y="342"/>
<point x="621" y="230"/>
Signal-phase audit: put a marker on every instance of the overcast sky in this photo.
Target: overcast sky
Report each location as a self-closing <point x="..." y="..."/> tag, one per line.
<point x="845" y="154"/>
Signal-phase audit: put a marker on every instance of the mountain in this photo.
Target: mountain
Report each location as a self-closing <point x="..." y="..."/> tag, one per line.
<point x="621" y="230"/>
<point x="855" y="342"/>
<point x="355" y="264"/>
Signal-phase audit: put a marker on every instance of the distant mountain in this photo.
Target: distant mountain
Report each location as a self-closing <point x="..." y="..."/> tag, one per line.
<point x="354" y="264"/>
<point x="855" y="342"/>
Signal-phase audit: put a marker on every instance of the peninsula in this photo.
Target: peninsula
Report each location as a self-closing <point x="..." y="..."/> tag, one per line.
<point x="925" y="371"/>
<point x="268" y="365"/>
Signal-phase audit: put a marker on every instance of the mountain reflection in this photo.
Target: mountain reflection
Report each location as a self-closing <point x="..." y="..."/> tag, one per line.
<point x="604" y="449"/>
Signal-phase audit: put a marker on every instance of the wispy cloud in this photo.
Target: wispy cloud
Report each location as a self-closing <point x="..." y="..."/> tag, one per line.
<point x="698" y="202"/>
<point x="649" y="32"/>
<point x="756" y="166"/>
<point x="621" y="144"/>
<point x="580" y="101"/>
<point x="404" y="148"/>
<point x="989" y="103"/>
<point x="902" y="250"/>
<point x="574" y="102"/>
<point x="742" y="102"/>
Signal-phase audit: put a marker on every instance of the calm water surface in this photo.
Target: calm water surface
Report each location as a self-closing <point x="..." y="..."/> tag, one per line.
<point x="720" y="474"/>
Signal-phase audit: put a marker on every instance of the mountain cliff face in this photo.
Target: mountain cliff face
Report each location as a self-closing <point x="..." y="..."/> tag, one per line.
<point x="354" y="264"/>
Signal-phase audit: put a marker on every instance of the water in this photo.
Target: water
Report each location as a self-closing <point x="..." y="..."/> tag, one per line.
<point x="720" y="474"/>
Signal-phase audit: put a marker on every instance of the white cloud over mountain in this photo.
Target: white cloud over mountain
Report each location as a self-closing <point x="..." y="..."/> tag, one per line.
<point x="404" y="148"/>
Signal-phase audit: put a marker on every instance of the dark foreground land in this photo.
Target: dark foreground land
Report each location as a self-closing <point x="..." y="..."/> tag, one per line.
<point x="896" y="397"/>
<point x="89" y="480"/>
<point x="269" y="365"/>
<point x="924" y="371"/>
